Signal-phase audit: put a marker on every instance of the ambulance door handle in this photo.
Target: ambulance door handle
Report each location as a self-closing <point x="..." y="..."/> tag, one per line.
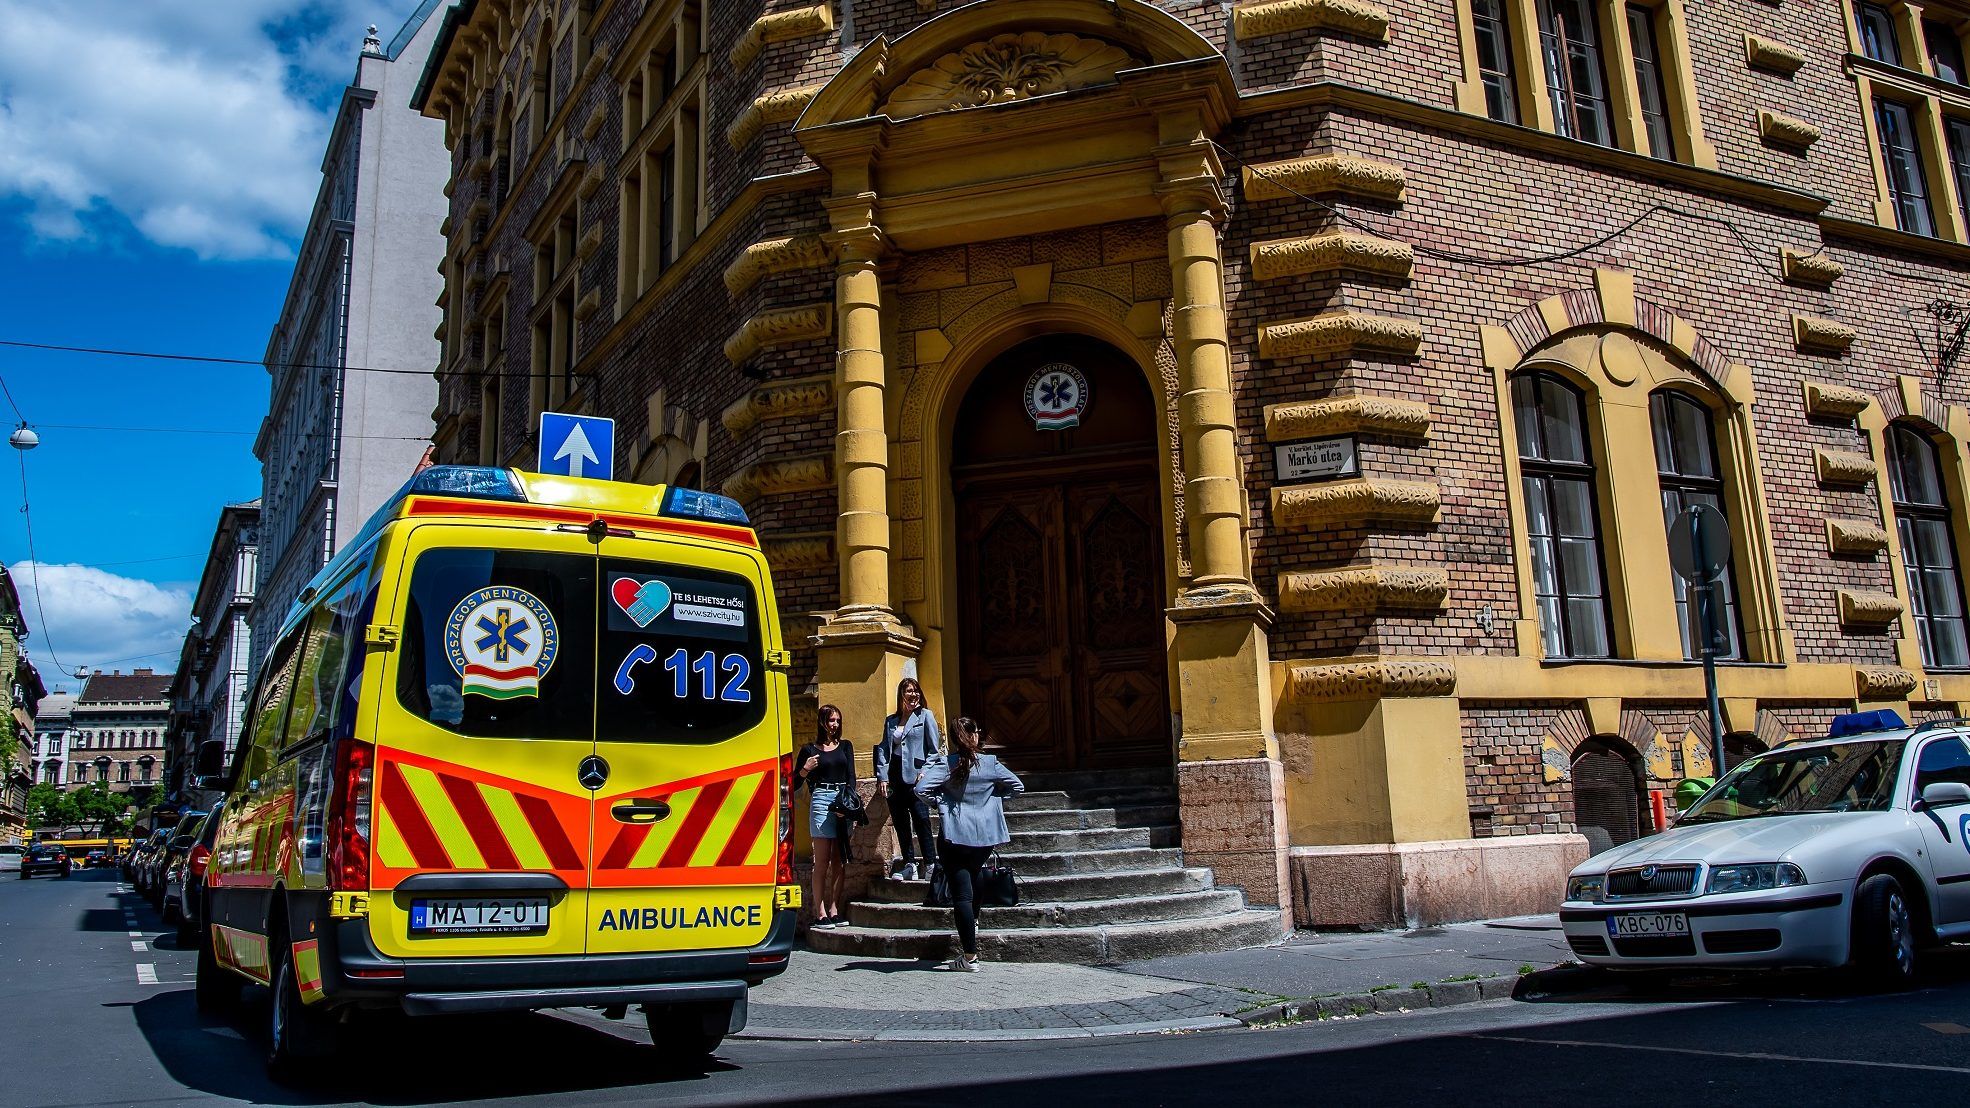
<point x="640" y="811"/>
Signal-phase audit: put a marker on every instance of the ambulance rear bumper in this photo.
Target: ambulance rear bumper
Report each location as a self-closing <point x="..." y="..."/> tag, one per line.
<point x="354" y="971"/>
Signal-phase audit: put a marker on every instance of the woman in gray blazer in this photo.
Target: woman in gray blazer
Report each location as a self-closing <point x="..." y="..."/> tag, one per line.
<point x="909" y="738"/>
<point x="968" y="788"/>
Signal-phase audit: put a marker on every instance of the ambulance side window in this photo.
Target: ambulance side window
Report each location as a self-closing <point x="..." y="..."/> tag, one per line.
<point x="324" y="691"/>
<point x="270" y="705"/>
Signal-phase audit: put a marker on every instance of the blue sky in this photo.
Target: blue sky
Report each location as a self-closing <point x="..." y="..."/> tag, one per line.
<point x="157" y="165"/>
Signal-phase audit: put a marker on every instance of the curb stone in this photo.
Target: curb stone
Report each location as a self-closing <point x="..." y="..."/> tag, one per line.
<point x="1446" y="994"/>
<point x="955" y="1035"/>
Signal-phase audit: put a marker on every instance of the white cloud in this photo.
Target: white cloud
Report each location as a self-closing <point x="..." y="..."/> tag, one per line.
<point x="97" y="618"/>
<point x="200" y="123"/>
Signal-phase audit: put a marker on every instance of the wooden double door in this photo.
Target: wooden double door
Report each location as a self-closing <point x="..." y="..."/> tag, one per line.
<point x="1063" y="656"/>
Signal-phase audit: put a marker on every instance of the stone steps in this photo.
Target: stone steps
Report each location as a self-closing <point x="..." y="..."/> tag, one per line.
<point x="1101" y="838"/>
<point x="1054" y="864"/>
<point x="1068" y="913"/>
<point x="1090" y="945"/>
<point x="1076" y="819"/>
<point x="1049" y="799"/>
<point x="1075" y="886"/>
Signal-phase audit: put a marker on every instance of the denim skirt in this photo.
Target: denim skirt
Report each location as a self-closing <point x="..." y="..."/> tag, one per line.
<point x="822" y="823"/>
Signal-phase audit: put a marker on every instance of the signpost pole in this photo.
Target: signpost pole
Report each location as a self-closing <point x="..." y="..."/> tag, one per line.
<point x="1704" y="597"/>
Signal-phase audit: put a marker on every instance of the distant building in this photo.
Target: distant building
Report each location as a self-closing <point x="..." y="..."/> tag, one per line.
<point x="336" y="442"/>
<point x="117" y="729"/>
<point x="20" y="694"/>
<point x="51" y="727"/>
<point x="208" y="695"/>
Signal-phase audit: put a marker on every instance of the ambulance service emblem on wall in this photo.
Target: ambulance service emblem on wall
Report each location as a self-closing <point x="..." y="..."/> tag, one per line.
<point x="1056" y="396"/>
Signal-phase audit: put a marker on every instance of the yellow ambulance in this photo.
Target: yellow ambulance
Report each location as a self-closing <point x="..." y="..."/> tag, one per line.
<point x="523" y="743"/>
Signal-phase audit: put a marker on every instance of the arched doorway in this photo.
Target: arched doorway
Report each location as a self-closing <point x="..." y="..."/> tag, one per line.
<point x="1061" y="643"/>
<point x="1607" y="795"/>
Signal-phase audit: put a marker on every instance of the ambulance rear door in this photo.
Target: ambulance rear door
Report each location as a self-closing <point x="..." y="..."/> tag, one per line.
<point x="486" y="717"/>
<point x="689" y="726"/>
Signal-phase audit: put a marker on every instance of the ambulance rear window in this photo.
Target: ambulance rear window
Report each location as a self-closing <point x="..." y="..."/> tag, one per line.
<point x="501" y="643"/>
<point x="679" y="655"/>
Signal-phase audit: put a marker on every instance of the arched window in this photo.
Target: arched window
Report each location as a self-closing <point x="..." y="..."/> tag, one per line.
<point x="1686" y="463"/>
<point x="1562" y="518"/>
<point x="1922" y="521"/>
<point x="1607" y="795"/>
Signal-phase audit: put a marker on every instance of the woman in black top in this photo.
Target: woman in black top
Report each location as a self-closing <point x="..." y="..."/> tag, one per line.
<point x="827" y="765"/>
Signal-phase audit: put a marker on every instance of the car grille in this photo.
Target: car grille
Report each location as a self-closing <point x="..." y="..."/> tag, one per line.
<point x="1741" y="942"/>
<point x="1655" y="946"/>
<point x="1651" y="881"/>
<point x="1588" y="944"/>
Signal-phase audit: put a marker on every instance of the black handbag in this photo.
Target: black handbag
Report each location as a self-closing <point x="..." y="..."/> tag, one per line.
<point x="939" y="894"/>
<point x="997" y="887"/>
<point x="847" y="805"/>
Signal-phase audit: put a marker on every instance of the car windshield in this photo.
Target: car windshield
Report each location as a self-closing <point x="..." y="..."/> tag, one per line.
<point x="1843" y="777"/>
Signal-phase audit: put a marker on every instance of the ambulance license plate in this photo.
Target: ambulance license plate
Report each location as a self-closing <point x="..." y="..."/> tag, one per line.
<point x="500" y="915"/>
<point x="1643" y="924"/>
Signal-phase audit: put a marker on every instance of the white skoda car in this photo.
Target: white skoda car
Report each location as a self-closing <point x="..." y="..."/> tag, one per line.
<point x="1850" y="850"/>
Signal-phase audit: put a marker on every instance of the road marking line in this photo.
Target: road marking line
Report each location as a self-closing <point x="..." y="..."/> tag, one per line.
<point x="1752" y="1056"/>
<point x="139" y="948"/>
<point x="136" y="934"/>
<point x="1948" y="1028"/>
<point x="146" y="974"/>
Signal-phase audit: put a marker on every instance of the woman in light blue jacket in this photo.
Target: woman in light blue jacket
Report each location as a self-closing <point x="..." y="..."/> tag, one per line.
<point x="968" y="788"/>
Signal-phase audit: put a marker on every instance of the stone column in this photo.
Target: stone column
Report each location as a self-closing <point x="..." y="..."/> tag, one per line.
<point x="863" y="648"/>
<point x="1230" y="785"/>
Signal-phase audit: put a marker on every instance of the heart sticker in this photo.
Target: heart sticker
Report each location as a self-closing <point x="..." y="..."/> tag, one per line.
<point x="642" y="601"/>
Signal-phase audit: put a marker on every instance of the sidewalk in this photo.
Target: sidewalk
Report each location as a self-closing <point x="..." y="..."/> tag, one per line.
<point x="823" y="996"/>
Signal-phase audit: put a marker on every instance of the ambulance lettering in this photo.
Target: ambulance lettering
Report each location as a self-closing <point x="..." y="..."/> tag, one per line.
<point x="680" y="919"/>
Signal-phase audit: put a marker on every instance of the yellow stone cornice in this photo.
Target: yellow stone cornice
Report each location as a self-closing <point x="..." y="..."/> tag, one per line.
<point x="789" y="399"/>
<point x="1365" y="589"/>
<point x="1337" y="333"/>
<point x="779" y="327"/>
<point x="1341" y="415"/>
<point x="780" y="27"/>
<point x="1356" y="500"/>
<point x="1277" y="17"/>
<point x="781" y="476"/>
<point x="1330" y="252"/>
<point x="763" y="259"/>
<point x="1370" y="678"/>
<point x="1322" y="175"/>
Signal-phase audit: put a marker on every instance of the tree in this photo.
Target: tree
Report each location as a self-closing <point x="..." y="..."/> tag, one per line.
<point x="96" y="804"/>
<point x="50" y="809"/>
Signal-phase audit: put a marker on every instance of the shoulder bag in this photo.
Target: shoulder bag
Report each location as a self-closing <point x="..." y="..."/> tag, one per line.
<point x="847" y="805"/>
<point x="939" y="893"/>
<point x="997" y="887"/>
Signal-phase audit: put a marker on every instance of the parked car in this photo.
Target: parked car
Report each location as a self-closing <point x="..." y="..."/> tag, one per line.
<point x="44" y="858"/>
<point x="184" y="898"/>
<point x="1847" y="850"/>
<point x="140" y="855"/>
<point x="96" y="859"/>
<point x="183" y="834"/>
<point x="10" y="857"/>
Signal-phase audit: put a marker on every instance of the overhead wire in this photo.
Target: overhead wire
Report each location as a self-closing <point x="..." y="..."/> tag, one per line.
<point x="217" y="359"/>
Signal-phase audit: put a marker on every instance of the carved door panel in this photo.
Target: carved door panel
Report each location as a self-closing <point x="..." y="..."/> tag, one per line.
<point x="1010" y="575"/>
<point x="1120" y="707"/>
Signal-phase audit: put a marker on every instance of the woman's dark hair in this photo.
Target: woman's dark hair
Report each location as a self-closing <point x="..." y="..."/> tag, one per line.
<point x="821" y="723"/>
<point x="907" y="684"/>
<point x="967" y="737"/>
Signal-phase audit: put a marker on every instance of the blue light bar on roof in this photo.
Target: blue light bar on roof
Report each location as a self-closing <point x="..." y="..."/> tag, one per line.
<point x="476" y="482"/>
<point x="704" y="505"/>
<point x="1860" y="723"/>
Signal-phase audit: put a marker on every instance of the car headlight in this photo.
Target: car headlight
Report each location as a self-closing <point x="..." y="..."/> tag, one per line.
<point x="1586" y="888"/>
<point x="1764" y="875"/>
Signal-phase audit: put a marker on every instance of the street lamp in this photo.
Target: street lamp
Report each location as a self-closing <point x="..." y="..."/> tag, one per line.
<point x="24" y="438"/>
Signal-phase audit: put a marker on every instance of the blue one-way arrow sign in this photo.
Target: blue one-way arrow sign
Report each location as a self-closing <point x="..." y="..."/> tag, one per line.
<point x="577" y="446"/>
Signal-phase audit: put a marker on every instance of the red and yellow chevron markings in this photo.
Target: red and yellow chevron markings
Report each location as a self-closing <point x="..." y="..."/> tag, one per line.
<point x="437" y="817"/>
<point x="719" y="832"/>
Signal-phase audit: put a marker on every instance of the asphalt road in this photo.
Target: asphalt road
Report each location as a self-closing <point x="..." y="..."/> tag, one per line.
<point x="91" y="1014"/>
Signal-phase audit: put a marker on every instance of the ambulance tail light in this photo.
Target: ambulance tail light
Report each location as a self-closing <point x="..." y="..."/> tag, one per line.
<point x="784" y="876"/>
<point x="348" y="817"/>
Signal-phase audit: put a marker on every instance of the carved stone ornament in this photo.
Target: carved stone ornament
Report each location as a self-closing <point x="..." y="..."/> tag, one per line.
<point x="1842" y="467"/>
<point x="1882" y="682"/>
<point x="779" y="328"/>
<point x="1862" y="608"/>
<point x="1331" y="334"/>
<point x="763" y="259"/>
<point x="1855" y="536"/>
<point x="780" y="27"/>
<point x="791" y="399"/>
<point x="1773" y="57"/>
<point x="1802" y="268"/>
<point x="805" y="551"/>
<point x="781" y="477"/>
<point x="1371" y="678"/>
<point x="779" y="106"/>
<point x="1785" y="132"/>
<point x="1813" y="335"/>
<point x="1365" y="589"/>
<point x="1342" y="415"/>
<point x="1325" y="174"/>
<point x="1277" y="17"/>
<point x="1824" y="401"/>
<point x="1330" y="252"/>
<point x="1360" y="500"/>
<point x="1007" y="68"/>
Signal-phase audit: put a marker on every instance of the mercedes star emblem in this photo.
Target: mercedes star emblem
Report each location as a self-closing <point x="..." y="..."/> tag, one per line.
<point x="592" y="773"/>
